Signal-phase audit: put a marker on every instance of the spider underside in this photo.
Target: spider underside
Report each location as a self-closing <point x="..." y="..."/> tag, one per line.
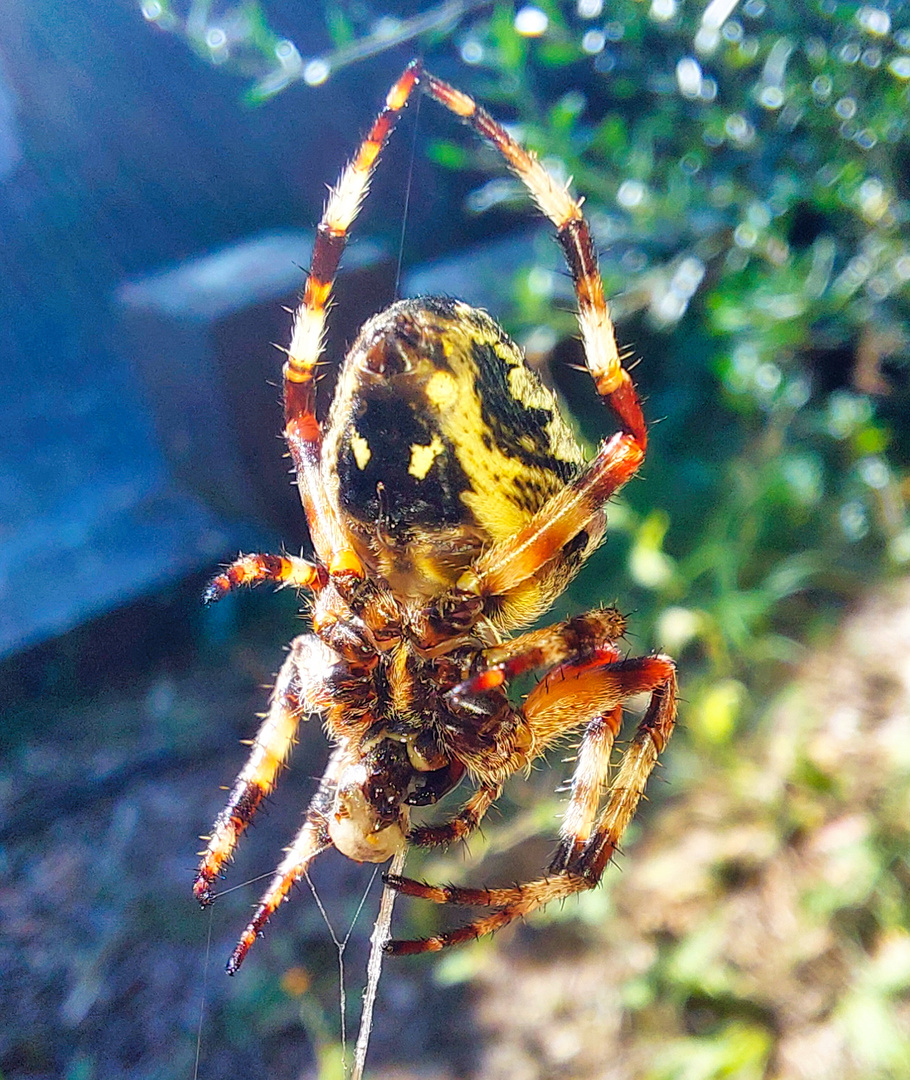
<point x="448" y="506"/>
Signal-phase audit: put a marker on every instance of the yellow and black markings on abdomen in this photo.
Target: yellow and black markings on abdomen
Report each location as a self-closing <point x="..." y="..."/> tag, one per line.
<point x="439" y="427"/>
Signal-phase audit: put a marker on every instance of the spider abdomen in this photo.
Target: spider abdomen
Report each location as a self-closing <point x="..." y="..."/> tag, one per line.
<point x="440" y="441"/>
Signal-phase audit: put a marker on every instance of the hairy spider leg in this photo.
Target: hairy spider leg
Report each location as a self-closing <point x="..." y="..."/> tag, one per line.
<point x="586" y="635"/>
<point x="312" y="839"/>
<point x="557" y="203"/>
<point x="575" y="868"/>
<point x="299" y="691"/>
<point x="302" y="429"/>
<point x="505" y="566"/>
<point x="461" y="824"/>
<point x="589" y="780"/>
<point x="638" y="762"/>
<point x="542" y="648"/>
<point x="594" y="687"/>
<point x="284" y="570"/>
<point x="509" y="904"/>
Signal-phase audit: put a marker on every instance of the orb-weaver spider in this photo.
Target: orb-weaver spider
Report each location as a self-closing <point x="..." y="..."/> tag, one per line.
<point x="448" y="505"/>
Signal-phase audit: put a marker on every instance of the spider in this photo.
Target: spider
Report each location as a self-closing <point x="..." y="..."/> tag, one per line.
<point x="448" y="505"/>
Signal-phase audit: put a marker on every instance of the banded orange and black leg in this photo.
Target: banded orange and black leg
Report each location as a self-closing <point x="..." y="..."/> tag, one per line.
<point x="598" y="686"/>
<point x="302" y="428"/>
<point x="506" y="566"/>
<point x="543" y="649"/>
<point x="461" y="825"/>
<point x="299" y="691"/>
<point x="283" y="570"/>
<point x="312" y="839"/>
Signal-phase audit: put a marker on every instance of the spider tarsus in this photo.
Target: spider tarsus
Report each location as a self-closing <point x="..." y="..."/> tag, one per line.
<point x="202" y="892"/>
<point x="216" y="590"/>
<point x="413" y="947"/>
<point x="239" y="955"/>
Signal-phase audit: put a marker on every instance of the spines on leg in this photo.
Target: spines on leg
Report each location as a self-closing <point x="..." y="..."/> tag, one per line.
<point x="310" y="841"/>
<point x="510" y="903"/>
<point x="590" y="780"/>
<point x="461" y="825"/>
<point x="574" y="638"/>
<point x="283" y="570"/>
<point x="342" y="207"/>
<point x="302" y="428"/>
<point x="299" y="690"/>
<point x="312" y="838"/>
<point x="651" y="736"/>
<point x="613" y="382"/>
<point x="557" y="203"/>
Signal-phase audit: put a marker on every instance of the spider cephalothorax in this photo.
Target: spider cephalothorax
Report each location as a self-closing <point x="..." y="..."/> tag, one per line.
<point x="448" y="505"/>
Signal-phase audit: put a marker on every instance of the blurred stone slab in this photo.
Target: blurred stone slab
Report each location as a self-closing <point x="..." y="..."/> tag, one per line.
<point x="120" y="466"/>
<point x="89" y="517"/>
<point x="201" y="337"/>
<point x="113" y="540"/>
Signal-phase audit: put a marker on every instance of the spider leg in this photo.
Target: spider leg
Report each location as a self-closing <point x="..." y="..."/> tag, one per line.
<point x="253" y="569"/>
<point x="586" y="635"/>
<point x="302" y="429"/>
<point x="557" y="203"/>
<point x="638" y="762"/>
<point x="312" y="839"/>
<point x="591" y="776"/>
<point x="508" y="904"/>
<point x="595" y="686"/>
<point x="300" y="689"/>
<point x="543" y="648"/>
<point x="464" y="822"/>
<point x="507" y="567"/>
